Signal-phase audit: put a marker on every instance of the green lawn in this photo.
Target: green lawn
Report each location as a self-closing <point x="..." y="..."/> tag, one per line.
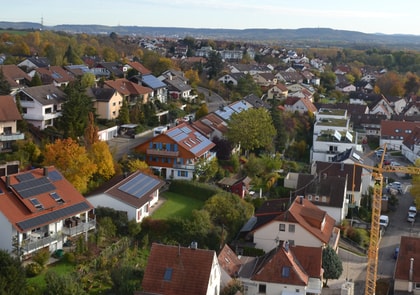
<point x="58" y="267"/>
<point x="176" y="205"/>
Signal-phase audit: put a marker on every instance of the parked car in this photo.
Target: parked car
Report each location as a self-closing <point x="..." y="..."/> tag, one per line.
<point x="394" y="164"/>
<point x="396" y="251"/>
<point x="412" y="212"/>
<point x="384" y="221"/>
<point x="379" y="152"/>
<point x="387" y="162"/>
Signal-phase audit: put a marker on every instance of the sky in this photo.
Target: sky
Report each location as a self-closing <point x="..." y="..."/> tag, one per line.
<point x="368" y="16"/>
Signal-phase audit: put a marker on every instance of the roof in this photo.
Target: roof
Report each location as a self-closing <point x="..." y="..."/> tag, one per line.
<point x="8" y="109"/>
<point x="178" y="84"/>
<point x="234" y="179"/>
<point x="210" y="122"/>
<point x="190" y="139"/>
<point x="139" y="67"/>
<point x="127" y="87"/>
<point x="13" y="74"/>
<point x="40" y="62"/>
<point x="409" y="248"/>
<point x="54" y="73"/>
<point x="39" y="197"/>
<point x="136" y="189"/>
<point x="229" y="261"/>
<point x="152" y="82"/>
<point x="45" y="94"/>
<point x="101" y="94"/>
<point x="256" y="102"/>
<point x="174" y="270"/>
<point x="342" y="170"/>
<point x="397" y="129"/>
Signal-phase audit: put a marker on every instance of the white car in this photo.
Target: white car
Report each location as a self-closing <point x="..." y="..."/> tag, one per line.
<point x="384" y="221"/>
<point x="412" y="212"/>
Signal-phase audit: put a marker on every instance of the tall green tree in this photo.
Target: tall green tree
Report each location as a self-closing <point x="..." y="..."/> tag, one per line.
<point x="124" y="114"/>
<point x="214" y="64"/>
<point x="36" y="80"/>
<point x="76" y="109"/>
<point x="332" y="265"/>
<point x="256" y="124"/>
<point x="12" y="275"/>
<point x="4" y="84"/>
<point x="246" y="85"/>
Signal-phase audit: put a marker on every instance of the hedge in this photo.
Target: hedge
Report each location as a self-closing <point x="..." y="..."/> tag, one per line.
<point x="198" y="190"/>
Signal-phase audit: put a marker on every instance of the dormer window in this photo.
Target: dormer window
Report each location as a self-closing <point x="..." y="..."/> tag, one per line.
<point x="57" y="198"/>
<point x="37" y="204"/>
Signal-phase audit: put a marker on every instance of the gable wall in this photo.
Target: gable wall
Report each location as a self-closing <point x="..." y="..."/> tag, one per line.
<point x="6" y="232"/>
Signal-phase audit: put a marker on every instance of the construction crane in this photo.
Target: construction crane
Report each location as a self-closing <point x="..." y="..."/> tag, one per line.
<point x="377" y="171"/>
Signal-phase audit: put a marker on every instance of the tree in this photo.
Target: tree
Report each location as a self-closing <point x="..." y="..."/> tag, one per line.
<point x="4" y="84"/>
<point x="88" y="80"/>
<point x="247" y="85"/>
<point x="12" y="275"/>
<point x="412" y="84"/>
<point x="72" y="161"/>
<point x="65" y="284"/>
<point x="332" y="265"/>
<point x="91" y="131"/>
<point x="390" y="83"/>
<point x="101" y="156"/>
<point x="70" y="57"/>
<point x="36" y="80"/>
<point x="124" y="114"/>
<point x="136" y="164"/>
<point x="257" y="124"/>
<point x="76" y="109"/>
<point x="202" y="111"/>
<point x="328" y="79"/>
<point x="214" y="64"/>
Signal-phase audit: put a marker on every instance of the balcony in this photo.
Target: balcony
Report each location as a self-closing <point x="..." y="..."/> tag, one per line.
<point x="76" y="228"/>
<point x="186" y="167"/>
<point x="11" y="136"/>
<point x="156" y="152"/>
<point x="39" y="240"/>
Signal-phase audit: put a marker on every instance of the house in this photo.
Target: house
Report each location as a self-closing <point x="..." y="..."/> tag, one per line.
<point x="407" y="274"/>
<point x="236" y="184"/>
<point x="301" y="105"/>
<point x="177" y="152"/>
<point x="278" y="91"/>
<point x="138" y="67"/>
<point x="40" y="209"/>
<point x="211" y="126"/>
<point x="106" y="101"/>
<point x="133" y="93"/>
<point x="108" y="70"/>
<point x="397" y="103"/>
<point x="393" y="133"/>
<point x="78" y="70"/>
<point x="16" y="78"/>
<point x="289" y="77"/>
<point x="303" y="224"/>
<point x="178" y="88"/>
<point x="159" y="88"/>
<point x="174" y="270"/>
<point x="410" y="147"/>
<point x="134" y="194"/>
<point x="265" y="79"/>
<point x="251" y="69"/>
<point x="53" y="75"/>
<point x="256" y="102"/>
<point x="225" y="112"/>
<point x="232" y="78"/>
<point x="42" y="105"/>
<point x="284" y="270"/>
<point x="9" y="115"/>
<point x="34" y="62"/>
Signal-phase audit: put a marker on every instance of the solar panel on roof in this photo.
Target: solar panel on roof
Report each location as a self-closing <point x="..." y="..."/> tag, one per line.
<point x="185" y="129"/>
<point x="139" y="185"/>
<point x="180" y="137"/>
<point x="52" y="216"/>
<point x="55" y="175"/>
<point x="34" y="187"/>
<point x="24" y="177"/>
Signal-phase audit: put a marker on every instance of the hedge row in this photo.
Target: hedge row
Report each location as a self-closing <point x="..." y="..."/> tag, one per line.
<point x="198" y="190"/>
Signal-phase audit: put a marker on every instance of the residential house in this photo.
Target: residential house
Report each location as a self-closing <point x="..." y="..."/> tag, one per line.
<point x="9" y="115"/>
<point x="42" y="105"/>
<point x="225" y="112"/>
<point x="211" y="126"/>
<point x="108" y="70"/>
<point x="265" y="79"/>
<point x="410" y="147"/>
<point x="34" y="62"/>
<point x="55" y="75"/>
<point x="332" y="135"/>
<point x="177" y="152"/>
<point x="174" y="270"/>
<point x="178" y="87"/>
<point x="412" y="108"/>
<point x="345" y="87"/>
<point x="232" y="78"/>
<point x="138" y="67"/>
<point x="133" y="93"/>
<point x="106" y="101"/>
<point x="16" y="77"/>
<point x="134" y="194"/>
<point x="284" y="270"/>
<point x="407" y="274"/>
<point x="160" y="89"/>
<point x="278" y="91"/>
<point x="397" y="103"/>
<point x="303" y="224"/>
<point x="381" y="106"/>
<point x="228" y="55"/>
<point x="393" y="133"/>
<point x="236" y="184"/>
<point x="367" y="124"/>
<point x="301" y="105"/>
<point x="256" y="102"/>
<point x="40" y="209"/>
<point x="78" y="71"/>
<point x="203" y="51"/>
<point x="289" y="77"/>
<point x="251" y="69"/>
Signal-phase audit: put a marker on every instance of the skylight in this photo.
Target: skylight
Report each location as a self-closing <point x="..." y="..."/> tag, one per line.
<point x="168" y="274"/>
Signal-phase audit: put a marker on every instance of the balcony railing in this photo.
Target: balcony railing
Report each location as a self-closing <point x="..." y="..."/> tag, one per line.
<point x="12" y="136"/>
<point x="32" y="244"/>
<point x="82" y="227"/>
<point x="186" y="167"/>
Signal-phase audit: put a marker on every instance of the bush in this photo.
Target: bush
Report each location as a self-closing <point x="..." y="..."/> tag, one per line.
<point x="69" y="257"/>
<point x="33" y="269"/>
<point x="41" y="257"/>
<point x="200" y="191"/>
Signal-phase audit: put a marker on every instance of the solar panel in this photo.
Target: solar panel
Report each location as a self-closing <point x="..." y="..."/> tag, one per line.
<point x="24" y="177"/>
<point x="53" y="216"/>
<point x="180" y="137"/>
<point x="57" y="197"/>
<point x="55" y="175"/>
<point x="185" y="129"/>
<point x="34" y="187"/>
<point x="35" y="202"/>
<point x="139" y="185"/>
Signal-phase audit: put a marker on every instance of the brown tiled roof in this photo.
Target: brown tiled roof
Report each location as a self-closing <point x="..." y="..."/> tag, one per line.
<point x="54" y="73"/>
<point x="189" y="270"/>
<point x="13" y="73"/>
<point x="389" y="128"/>
<point x="139" y="68"/>
<point x="234" y="179"/>
<point x="18" y="208"/>
<point x="413" y="139"/>
<point x="127" y="87"/>
<point x="228" y="261"/>
<point x="342" y="170"/>
<point x="409" y="248"/>
<point x="8" y="109"/>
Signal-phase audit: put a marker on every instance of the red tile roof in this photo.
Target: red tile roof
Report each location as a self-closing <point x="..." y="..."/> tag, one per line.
<point x="54" y="73"/>
<point x="139" y="68"/>
<point x="18" y="208"/>
<point x="409" y="248"/>
<point x="8" y="109"/>
<point x="127" y="87"/>
<point x="397" y="129"/>
<point x="13" y="73"/>
<point x="174" y="270"/>
<point x="229" y="261"/>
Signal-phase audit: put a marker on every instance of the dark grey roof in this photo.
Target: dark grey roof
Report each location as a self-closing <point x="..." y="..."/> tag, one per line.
<point x="40" y="62"/>
<point x="103" y="94"/>
<point x="45" y="94"/>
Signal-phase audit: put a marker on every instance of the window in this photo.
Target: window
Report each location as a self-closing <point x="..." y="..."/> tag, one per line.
<point x="25" y="110"/>
<point x="114" y="104"/>
<point x="262" y="288"/>
<point x="168" y="274"/>
<point x="397" y="130"/>
<point x="291" y="228"/>
<point x="282" y="227"/>
<point x="48" y="110"/>
<point x="291" y="242"/>
<point x="183" y="173"/>
<point x="285" y="272"/>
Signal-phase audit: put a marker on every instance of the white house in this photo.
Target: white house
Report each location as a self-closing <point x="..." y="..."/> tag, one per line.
<point x="135" y="194"/>
<point x="42" y="105"/>
<point x="8" y="123"/>
<point x="40" y="209"/>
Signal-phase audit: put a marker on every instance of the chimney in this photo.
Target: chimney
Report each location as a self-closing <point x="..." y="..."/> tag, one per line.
<point x="8" y="182"/>
<point x="286" y="246"/>
<point x="410" y="276"/>
<point x="301" y="200"/>
<point x="194" y="245"/>
<point x="342" y="166"/>
<point x="46" y="171"/>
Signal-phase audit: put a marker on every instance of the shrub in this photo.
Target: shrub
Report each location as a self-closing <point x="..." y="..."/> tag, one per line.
<point x="41" y="257"/>
<point x="33" y="269"/>
<point x="193" y="189"/>
<point x="69" y="257"/>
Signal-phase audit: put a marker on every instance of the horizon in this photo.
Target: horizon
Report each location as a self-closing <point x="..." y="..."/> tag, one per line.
<point x="387" y="18"/>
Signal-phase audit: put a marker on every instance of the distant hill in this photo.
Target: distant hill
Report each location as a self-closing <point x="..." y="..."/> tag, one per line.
<point x="304" y="36"/>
